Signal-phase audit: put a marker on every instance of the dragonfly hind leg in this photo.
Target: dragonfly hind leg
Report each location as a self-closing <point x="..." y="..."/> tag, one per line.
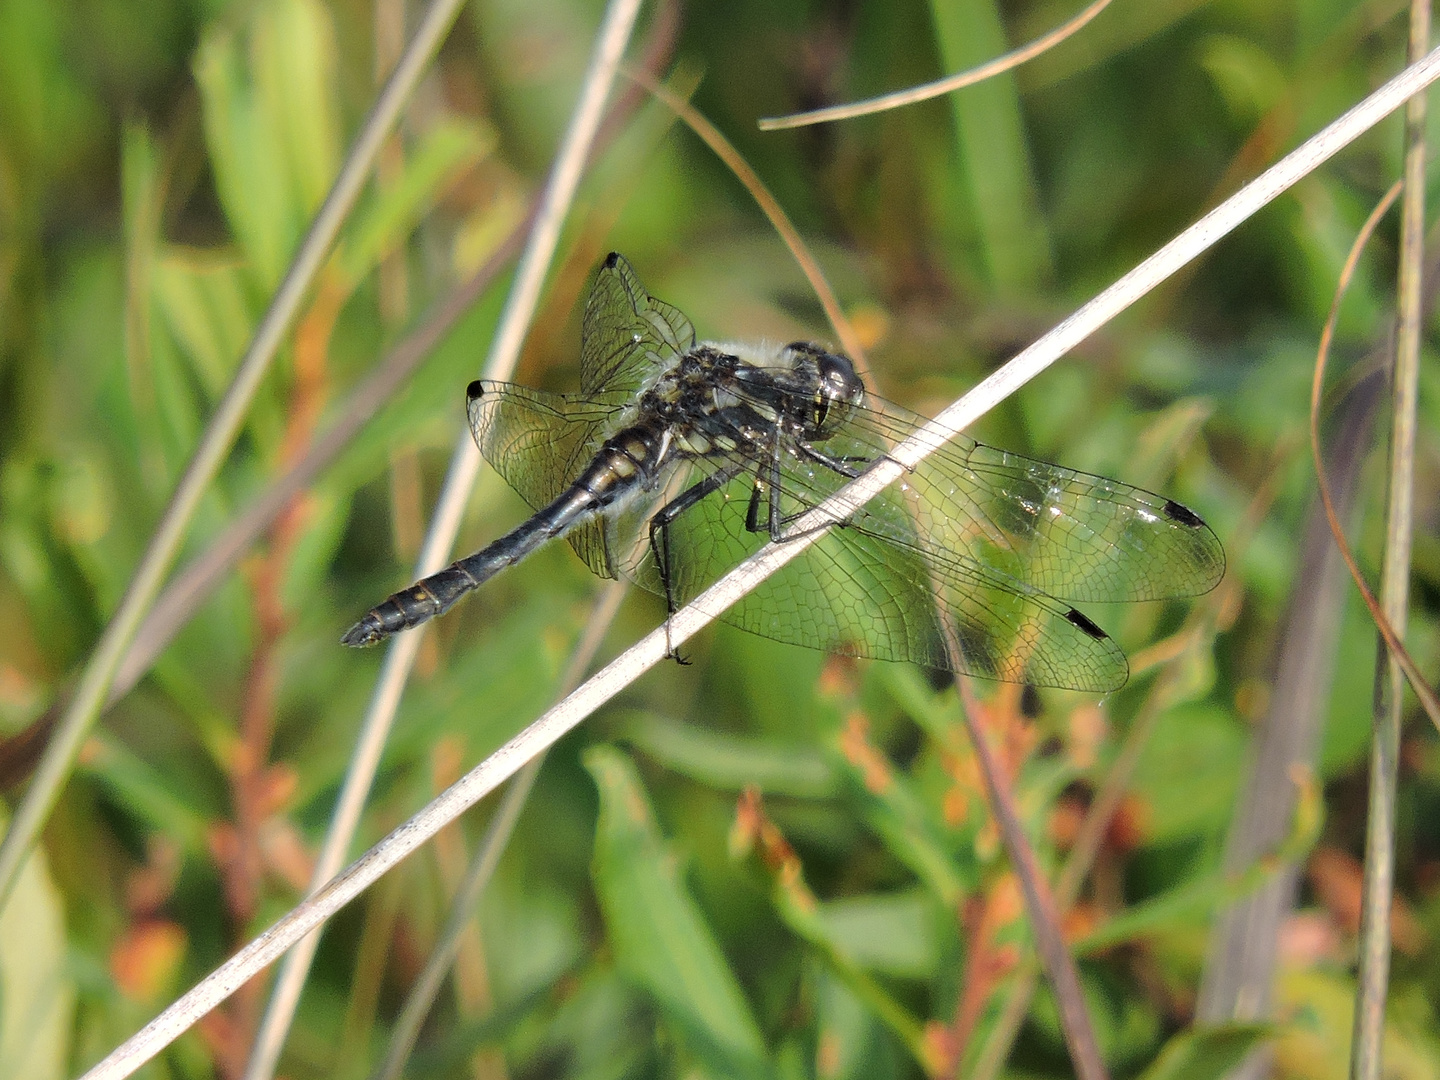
<point x="660" y="540"/>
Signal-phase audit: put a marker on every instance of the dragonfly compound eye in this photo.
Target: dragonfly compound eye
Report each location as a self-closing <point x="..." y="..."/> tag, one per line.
<point x="838" y="380"/>
<point x="838" y="387"/>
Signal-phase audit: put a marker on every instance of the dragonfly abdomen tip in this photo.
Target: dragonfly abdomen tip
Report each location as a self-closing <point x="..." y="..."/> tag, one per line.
<point x="365" y="632"/>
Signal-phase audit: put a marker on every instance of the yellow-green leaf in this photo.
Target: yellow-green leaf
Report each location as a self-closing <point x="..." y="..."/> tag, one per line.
<point x="293" y="57"/>
<point x="203" y="303"/>
<point x="36" y="990"/>
<point x="1205" y="1053"/>
<point x="384" y="222"/>
<point x="659" y="935"/>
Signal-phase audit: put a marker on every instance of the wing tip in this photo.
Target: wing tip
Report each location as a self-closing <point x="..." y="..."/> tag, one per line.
<point x="1115" y="684"/>
<point x="1210" y="551"/>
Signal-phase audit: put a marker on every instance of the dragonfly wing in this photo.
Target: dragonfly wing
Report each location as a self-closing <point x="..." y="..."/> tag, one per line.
<point x="1019" y="634"/>
<point x="860" y="593"/>
<point x="626" y="334"/>
<point x="540" y="442"/>
<point x="1072" y="535"/>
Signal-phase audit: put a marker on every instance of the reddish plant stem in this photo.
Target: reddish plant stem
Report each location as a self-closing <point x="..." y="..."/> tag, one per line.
<point x="987" y="961"/>
<point x="1039" y="902"/>
<point x="242" y="862"/>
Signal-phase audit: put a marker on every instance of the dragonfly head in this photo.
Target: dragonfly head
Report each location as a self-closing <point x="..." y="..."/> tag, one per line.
<point x="836" y="386"/>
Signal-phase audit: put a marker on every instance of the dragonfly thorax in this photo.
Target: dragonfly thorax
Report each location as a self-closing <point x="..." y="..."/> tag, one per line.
<point x="717" y="399"/>
<point x="808" y="390"/>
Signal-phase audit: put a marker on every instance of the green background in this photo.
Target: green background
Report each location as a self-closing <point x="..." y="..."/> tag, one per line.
<point x="159" y="161"/>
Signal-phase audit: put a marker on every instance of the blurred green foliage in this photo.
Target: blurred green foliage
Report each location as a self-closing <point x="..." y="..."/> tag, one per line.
<point x="158" y="163"/>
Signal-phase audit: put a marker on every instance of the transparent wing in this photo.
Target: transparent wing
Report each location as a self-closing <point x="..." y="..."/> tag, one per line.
<point x="626" y="334"/>
<point x="1072" y="535"/>
<point x="997" y="539"/>
<point x="1001" y="542"/>
<point x="540" y="442"/>
<point x="857" y="592"/>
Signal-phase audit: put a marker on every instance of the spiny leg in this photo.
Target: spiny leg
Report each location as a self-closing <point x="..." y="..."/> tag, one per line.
<point x="839" y="464"/>
<point x="752" y="512"/>
<point x="660" y="538"/>
<point x="778" y="521"/>
<point x="766" y="484"/>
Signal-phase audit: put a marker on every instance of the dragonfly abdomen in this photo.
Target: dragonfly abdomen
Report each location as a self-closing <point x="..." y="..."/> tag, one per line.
<point x="626" y="463"/>
<point x="437" y="593"/>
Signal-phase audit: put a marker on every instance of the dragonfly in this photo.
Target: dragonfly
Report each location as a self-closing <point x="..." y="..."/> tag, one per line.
<point x="677" y="459"/>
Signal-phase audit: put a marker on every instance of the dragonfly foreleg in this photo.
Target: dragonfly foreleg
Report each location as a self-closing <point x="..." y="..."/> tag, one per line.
<point x="758" y="498"/>
<point x="767" y="485"/>
<point x="777" y="533"/>
<point x="752" y="512"/>
<point x="839" y="464"/>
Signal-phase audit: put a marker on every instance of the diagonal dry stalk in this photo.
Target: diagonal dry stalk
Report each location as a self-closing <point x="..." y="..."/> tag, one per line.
<point x="650" y="650"/>
<point x="95" y="682"/>
<point x="487" y="856"/>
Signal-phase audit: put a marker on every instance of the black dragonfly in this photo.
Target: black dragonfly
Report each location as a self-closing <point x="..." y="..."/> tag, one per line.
<point x="713" y="450"/>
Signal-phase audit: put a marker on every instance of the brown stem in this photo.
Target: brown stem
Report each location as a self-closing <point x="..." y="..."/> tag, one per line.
<point x="242" y="865"/>
<point x="986" y="962"/>
<point x="1039" y="903"/>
